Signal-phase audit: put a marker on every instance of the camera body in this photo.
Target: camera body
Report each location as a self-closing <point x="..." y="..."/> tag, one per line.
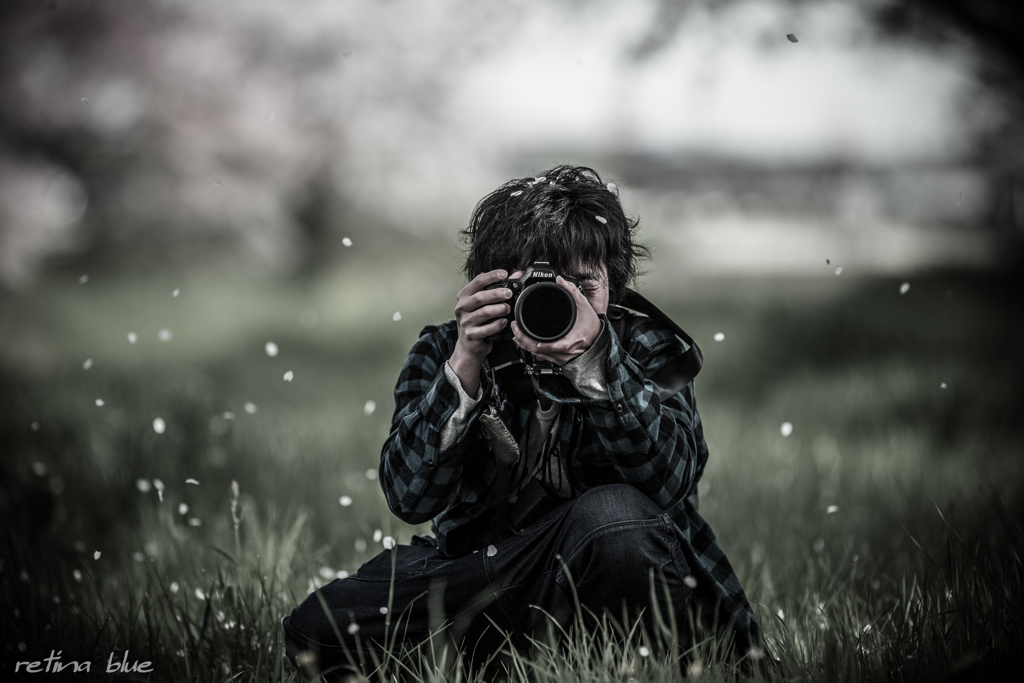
<point x="543" y="308"/>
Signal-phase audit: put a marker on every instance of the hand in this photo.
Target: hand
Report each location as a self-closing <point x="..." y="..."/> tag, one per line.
<point x="475" y="314"/>
<point x="580" y="338"/>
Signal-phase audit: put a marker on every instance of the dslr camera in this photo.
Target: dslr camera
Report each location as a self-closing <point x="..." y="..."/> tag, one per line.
<point x="543" y="308"/>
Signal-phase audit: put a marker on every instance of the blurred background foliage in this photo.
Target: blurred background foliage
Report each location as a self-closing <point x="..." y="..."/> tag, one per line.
<point x="262" y="133"/>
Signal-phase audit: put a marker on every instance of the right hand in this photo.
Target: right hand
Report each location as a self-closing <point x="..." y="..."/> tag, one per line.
<point x="475" y="314"/>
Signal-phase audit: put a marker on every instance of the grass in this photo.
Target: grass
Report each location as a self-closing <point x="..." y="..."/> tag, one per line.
<point x="916" y="575"/>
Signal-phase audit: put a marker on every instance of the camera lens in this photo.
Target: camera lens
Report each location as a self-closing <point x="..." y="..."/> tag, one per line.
<point x="545" y="311"/>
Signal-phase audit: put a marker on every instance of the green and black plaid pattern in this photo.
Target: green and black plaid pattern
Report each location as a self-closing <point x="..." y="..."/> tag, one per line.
<point x="655" y="446"/>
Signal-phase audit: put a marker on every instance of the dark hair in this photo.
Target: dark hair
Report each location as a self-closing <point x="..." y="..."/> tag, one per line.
<point x="566" y="216"/>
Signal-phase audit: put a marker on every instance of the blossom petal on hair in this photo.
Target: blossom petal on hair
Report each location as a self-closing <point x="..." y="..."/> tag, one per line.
<point x="601" y="219"/>
<point x="517" y="193"/>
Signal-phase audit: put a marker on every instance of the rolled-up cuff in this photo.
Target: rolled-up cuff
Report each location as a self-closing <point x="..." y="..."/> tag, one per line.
<point x="587" y="370"/>
<point x="456" y="424"/>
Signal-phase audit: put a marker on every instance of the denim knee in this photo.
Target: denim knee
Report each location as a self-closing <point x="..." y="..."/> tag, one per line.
<point x="611" y="504"/>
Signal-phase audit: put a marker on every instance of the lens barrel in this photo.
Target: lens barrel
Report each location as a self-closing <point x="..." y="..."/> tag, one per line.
<point x="545" y="311"/>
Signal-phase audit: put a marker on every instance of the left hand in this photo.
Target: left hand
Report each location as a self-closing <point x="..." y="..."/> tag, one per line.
<point x="580" y="338"/>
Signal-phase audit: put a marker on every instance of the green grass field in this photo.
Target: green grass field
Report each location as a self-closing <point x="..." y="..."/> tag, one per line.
<point x="880" y="540"/>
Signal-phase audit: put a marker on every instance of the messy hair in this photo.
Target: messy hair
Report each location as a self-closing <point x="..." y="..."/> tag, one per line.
<point x="566" y="216"/>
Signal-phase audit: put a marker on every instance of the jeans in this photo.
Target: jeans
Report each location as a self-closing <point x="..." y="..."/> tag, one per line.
<point x="600" y="549"/>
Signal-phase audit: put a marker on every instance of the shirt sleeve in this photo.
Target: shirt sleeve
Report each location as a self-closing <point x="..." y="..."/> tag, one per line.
<point x="456" y="424"/>
<point x="655" y="445"/>
<point x="419" y="475"/>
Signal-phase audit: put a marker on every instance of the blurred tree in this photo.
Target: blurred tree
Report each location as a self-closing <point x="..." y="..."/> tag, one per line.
<point x="992" y="30"/>
<point x="153" y="130"/>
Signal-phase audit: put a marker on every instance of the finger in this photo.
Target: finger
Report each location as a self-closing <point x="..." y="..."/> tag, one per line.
<point x="487" y="296"/>
<point x="522" y="340"/>
<point x="493" y="327"/>
<point x="481" y="316"/>
<point x="485" y="299"/>
<point x="482" y="280"/>
<point x="574" y="291"/>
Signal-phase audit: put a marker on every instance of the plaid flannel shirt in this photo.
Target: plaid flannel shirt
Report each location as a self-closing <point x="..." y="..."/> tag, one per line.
<point x="631" y="437"/>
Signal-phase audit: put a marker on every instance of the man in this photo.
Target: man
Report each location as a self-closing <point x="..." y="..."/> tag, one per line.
<point x="566" y="490"/>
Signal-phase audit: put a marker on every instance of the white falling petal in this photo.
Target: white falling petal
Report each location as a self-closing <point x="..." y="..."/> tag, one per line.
<point x="195" y="521"/>
<point x="327" y="572"/>
<point x="345" y="501"/>
<point x="271" y="348"/>
<point x="289" y="376"/>
<point x="165" y="335"/>
<point x="190" y="480"/>
<point x="82" y="280"/>
<point x="183" y="509"/>
<point x="39" y="468"/>
<point x="942" y="386"/>
<point x="839" y="270"/>
<point x="228" y="415"/>
<point x="644" y="651"/>
<point x="87" y="364"/>
<point x="353" y="628"/>
<point x="96" y="555"/>
<point x="142" y="485"/>
<point x="601" y="219"/>
<point x="786" y="429"/>
<point x="132" y="337"/>
<point x="342" y="574"/>
<point x="174" y="586"/>
<point x="138" y="557"/>
<point x="383" y="610"/>
<point x="690" y="581"/>
<point x="904" y="288"/>
<point x="369" y="407"/>
<point x="397" y="316"/>
<point x="159" y="425"/>
<point x="388" y="542"/>
<point x="832" y="509"/>
<point x="77" y="574"/>
<point x="612" y="187"/>
<point x="719" y="336"/>
<point x="99" y="402"/>
<point x="200" y="594"/>
<point x="377" y="535"/>
<point x="867" y="628"/>
<point x="175" y="293"/>
<point x="491" y="551"/>
<point x="371" y="474"/>
<point x="347" y="242"/>
<point x="250" y="408"/>
<point x="782" y="615"/>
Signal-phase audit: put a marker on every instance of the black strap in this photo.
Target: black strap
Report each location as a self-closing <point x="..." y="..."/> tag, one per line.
<point x="672" y="377"/>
